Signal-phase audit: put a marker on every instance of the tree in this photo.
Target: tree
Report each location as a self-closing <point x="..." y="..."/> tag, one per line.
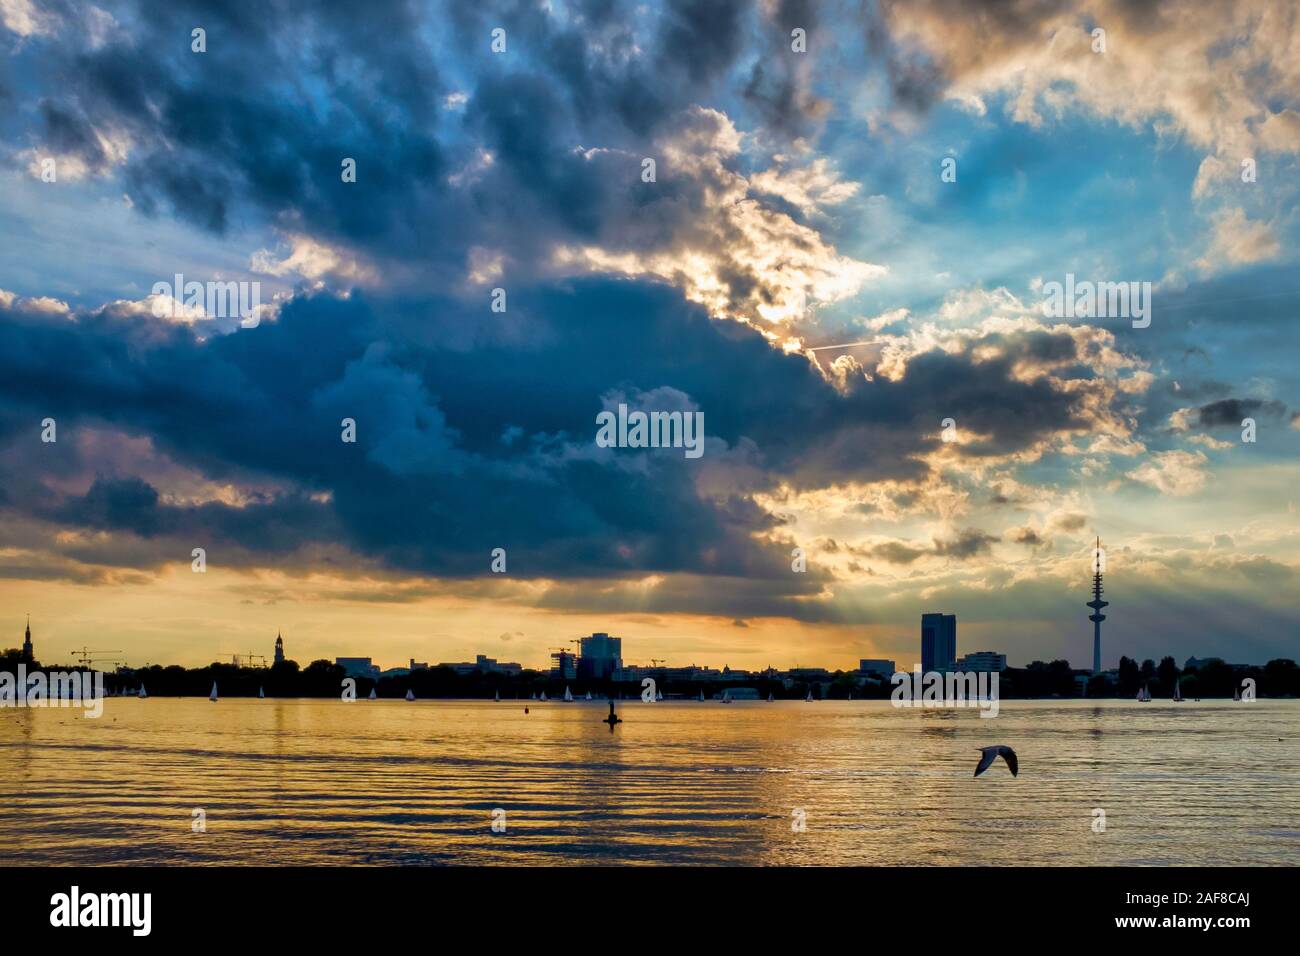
<point x="1129" y="678"/>
<point x="1167" y="672"/>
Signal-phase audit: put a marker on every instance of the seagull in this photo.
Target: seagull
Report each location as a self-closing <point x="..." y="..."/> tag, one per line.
<point x="993" y="753"/>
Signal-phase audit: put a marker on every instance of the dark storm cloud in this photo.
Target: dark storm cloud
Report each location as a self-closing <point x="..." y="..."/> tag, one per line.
<point x="968" y="543"/>
<point x="1027" y="536"/>
<point x="779" y="82"/>
<point x="263" y="119"/>
<point x="429" y="486"/>
<point x="898" y="552"/>
<point x="1230" y="411"/>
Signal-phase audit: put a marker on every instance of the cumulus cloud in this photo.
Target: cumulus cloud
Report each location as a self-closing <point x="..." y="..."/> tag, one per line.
<point x="1172" y="472"/>
<point x="1214" y="83"/>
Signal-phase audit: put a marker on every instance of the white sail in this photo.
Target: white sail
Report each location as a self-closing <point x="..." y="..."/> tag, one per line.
<point x="588" y="695"/>
<point x="659" y="695"/>
<point x="410" y="695"/>
<point x="497" y="696"/>
<point x="808" y="699"/>
<point x="1236" y="693"/>
<point x="543" y="697"/>
<point x="1178" y="689"/>
<point x="373" y="695"/>
<point x="213" y="696"/>
<point x="567" y="693"/>
<point x="769" y="697"/>
<point x="261" y="694"/>
<point x="143" y="692"/>
<point x="701" y="695"/>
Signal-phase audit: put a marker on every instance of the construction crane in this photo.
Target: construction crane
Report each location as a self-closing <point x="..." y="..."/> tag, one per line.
<point x="656" y="661"/>
<point x="248" y="660"/>
<point x="88" y="659"/>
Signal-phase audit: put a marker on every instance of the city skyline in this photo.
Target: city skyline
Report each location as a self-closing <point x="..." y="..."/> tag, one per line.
<point x="952" y="657"/>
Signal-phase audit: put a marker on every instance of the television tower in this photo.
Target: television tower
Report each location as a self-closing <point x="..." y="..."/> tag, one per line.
<point x="1096" y="604"/>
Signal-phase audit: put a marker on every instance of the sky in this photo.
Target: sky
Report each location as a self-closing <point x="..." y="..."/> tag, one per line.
<point x="840" y="257"/>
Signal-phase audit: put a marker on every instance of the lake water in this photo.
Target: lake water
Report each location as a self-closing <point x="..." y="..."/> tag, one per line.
<point x="328" y="782"/>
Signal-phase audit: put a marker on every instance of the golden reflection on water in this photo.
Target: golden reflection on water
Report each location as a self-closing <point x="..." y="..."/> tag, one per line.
<point x="323" y="781"/>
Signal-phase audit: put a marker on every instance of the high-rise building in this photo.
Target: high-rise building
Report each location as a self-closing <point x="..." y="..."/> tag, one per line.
<point x="28" y="656"/>
<point x="599" y="656"/>
<point x="938" y="642"/>
<point x="279" y="648"/>
<point x="1096" y="604"/>
<point x="563" y="665"/>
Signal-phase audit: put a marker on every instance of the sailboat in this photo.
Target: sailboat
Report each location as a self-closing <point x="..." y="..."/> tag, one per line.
<point x="410" y="694"/>
<point x="261" y="694"/>
<point x="213" y="696"/>
<point x="588" y="695"/>
<point x="496" y="696"/>
<point x="373" y="695"/>
<point x="532" y="696"/>
<point x="568" y="695"/>
<point x="143" y="693"/>
<point x="808" y="699"/>
<point x="659" y="695"/>
<point x="726" y="696"/>
<point x="1178" y="691"/>
<point x="1144" y="695"/>
<point x="701" y="697"/>
<point x="1236" y="694"/>
<point x="543" y="697"/>
<point x="769" y="697"/>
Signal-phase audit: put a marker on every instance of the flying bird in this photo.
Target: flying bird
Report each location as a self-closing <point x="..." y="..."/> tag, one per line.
<point x="993" y="753"/>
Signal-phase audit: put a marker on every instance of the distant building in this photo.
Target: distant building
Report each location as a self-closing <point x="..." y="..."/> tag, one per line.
<point x="600" y="656"/>
<point x="279" y="648"/>
<point x="564" y="665"/>
<point x="418" y="665"/>
<point x="809" y="673"/>
<point x="1196" y="663"/>
<point x="28" y="656"/>
<point x="877" y="665"/>
<point x="357" y="666"/>
<point x="487" y="665"/>
<point x="938" y="642"/>
<point x="978" y="661"/>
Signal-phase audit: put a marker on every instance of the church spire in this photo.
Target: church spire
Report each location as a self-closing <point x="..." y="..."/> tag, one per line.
<point x="28" y="656"/>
